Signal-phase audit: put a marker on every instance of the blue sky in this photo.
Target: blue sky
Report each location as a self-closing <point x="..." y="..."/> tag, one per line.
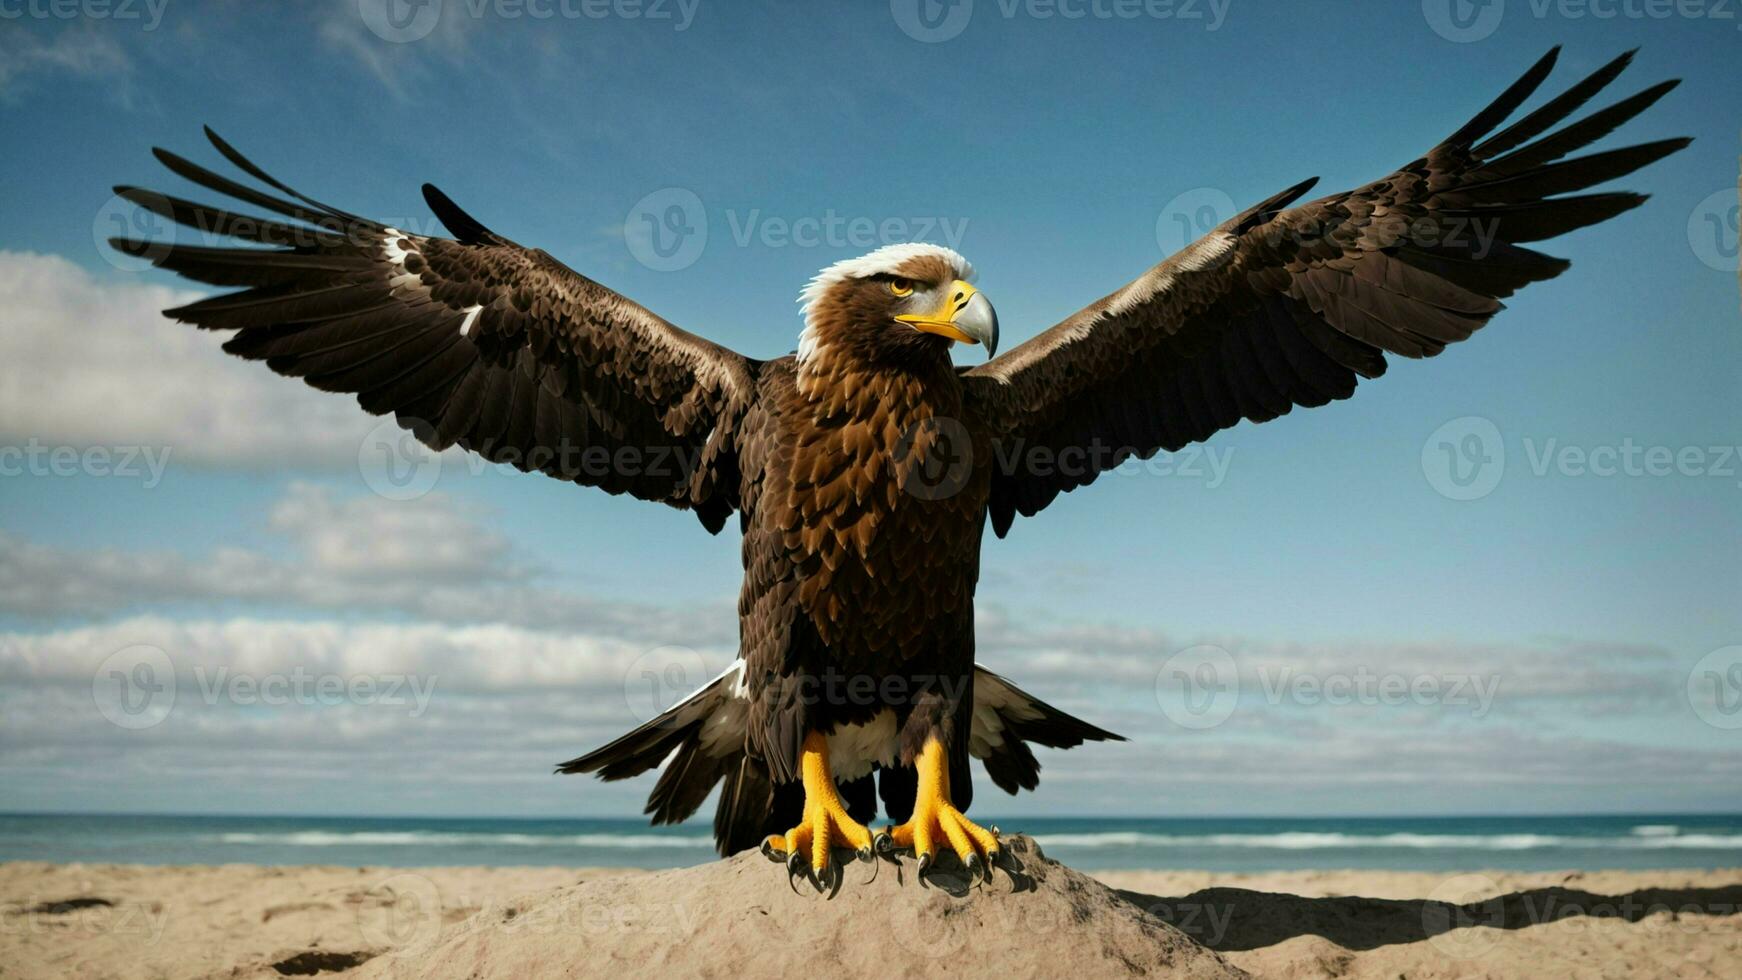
<point x="1058" y="153"/>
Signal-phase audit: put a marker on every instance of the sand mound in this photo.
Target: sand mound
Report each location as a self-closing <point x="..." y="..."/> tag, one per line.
<point x="738" y="918"/>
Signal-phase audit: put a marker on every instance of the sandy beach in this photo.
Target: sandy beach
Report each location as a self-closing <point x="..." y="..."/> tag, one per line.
<point x="245" y="921"/>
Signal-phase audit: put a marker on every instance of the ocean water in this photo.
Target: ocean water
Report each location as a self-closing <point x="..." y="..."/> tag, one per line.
<point x="1219" y="844"/>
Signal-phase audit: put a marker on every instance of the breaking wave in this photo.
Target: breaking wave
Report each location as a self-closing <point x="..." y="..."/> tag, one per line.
<point x="423" y="838"/>
<point x="1642" y="838"/>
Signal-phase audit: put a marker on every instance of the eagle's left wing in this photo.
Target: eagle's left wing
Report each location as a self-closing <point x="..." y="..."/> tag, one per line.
<point x="473" y="341"/>
<point x="1277" y="308"/>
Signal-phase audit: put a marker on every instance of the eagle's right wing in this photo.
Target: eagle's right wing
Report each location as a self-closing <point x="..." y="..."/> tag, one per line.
<point x="1283" y="306"/>
<point x="476" y="342"/>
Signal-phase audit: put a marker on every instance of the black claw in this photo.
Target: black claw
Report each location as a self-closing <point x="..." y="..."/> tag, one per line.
<point x="924" y="862"/>
<point x="974" y="867"/>
<point x="771" y="854"/>
<point x="883" y="843"/>
<point x="865" y="854"/>
<point x="991" y="862"/>
<point x="820" y="881"/>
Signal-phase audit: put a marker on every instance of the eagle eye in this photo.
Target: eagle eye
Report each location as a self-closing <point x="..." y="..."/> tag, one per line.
<point x="901" y="287"/>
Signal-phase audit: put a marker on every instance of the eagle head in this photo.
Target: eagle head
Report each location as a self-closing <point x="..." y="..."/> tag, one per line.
<point x="901" y="301"/>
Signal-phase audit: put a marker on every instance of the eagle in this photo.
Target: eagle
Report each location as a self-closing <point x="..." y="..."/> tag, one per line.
<point x="864" y="467"/>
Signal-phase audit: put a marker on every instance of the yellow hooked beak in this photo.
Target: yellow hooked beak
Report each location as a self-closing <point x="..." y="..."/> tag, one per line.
<point x="963" y="313"/>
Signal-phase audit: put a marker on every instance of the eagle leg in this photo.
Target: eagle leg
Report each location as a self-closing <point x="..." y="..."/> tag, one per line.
<point x="825" y="824"/>
<point x="936" y="820"/>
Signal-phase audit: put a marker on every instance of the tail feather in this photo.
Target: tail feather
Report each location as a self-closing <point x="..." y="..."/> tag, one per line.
<point x="1007" y="718"/>
<point x="704" y="739"/>
<point x="646" y="747"/>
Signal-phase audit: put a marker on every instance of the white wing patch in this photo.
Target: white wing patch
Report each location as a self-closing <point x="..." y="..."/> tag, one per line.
<point x="995" y="704"/>
<point x="396" y="254"/>
<point x="723" y="732"/>
<point x="471" y="318"/>
<point x="1196" y="257"/>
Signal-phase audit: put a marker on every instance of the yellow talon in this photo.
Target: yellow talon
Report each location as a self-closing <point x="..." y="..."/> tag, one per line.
<point x="825" y="824"/>
<point x="935" y="819"/>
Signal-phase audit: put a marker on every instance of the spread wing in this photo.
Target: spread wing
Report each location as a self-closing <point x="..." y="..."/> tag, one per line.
<point x="1283" y="306"/>
<point x="472" y="341"/>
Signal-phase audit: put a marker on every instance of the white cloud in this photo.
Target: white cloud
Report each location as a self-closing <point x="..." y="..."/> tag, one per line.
<point x="423" y="558"/>
<point x="448" y="713"/>
<point x="81" y="52"/>
<point x="396" y="54"/>
<point x="91" y="361"/>
<point x="426" y="539"/>
<point x="475" y="660"/>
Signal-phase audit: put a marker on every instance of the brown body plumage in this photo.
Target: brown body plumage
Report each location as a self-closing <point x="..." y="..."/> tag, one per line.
<point x="865" y="467"/>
